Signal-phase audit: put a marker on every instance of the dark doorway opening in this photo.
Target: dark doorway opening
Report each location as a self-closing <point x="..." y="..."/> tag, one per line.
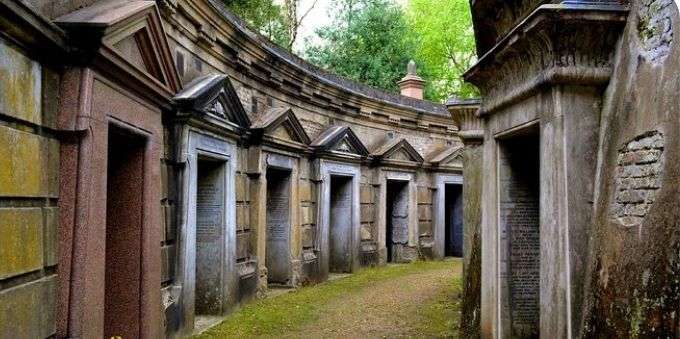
<point x="453" y="229"/>
<point x="210" y="236"/>
<point x="124" y="221"/>
<point x="396" y="232"/>
<point x="278" y="227"/>
<point x="340" y="225"/>
<point x="519" y="188"/>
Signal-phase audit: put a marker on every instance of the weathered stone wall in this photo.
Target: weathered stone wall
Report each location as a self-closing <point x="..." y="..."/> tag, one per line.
<point x="29" y="192"/>
<point x="472" y="247"/>
<point x="633" y="283"/>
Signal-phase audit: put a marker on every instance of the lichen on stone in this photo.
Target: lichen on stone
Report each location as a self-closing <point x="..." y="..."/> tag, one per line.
<point x="655" y="28"/>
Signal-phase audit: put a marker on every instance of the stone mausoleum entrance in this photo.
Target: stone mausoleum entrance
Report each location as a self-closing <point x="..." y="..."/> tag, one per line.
<point x="210" y="244"/>
<point x="340" y="226"/>
<point x="278" y="227"/>
<point x="520" y="246"/>
<point x="453" y="216"/>
<point x="124" y="221"/>
<point x="397" y="203"/>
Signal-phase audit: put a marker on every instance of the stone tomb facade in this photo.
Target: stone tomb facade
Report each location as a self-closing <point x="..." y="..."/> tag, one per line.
<point x="109" y="267"/>
<point x="541" y="112"/>
<point x="339" y="236"/>
<point x="395" y="161"/>
<point x="279" y="148"/>
<point x="207" y="282"/>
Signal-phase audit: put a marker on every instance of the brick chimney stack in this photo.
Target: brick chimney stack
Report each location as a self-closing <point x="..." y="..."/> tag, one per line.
<point x="412" y="85"/>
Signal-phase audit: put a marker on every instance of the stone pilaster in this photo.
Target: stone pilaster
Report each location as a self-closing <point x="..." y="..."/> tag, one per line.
<point x="471" y="131"/>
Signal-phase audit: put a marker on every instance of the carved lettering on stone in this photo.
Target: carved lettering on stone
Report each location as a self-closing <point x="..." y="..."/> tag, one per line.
<point x="639" y="173"/>
<point x="520" y="242"/>
<point x="208" y="211"/>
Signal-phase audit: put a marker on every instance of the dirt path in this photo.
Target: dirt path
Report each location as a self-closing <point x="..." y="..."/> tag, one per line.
<point x="387" y="309"/>
<point x="410" y="300"/>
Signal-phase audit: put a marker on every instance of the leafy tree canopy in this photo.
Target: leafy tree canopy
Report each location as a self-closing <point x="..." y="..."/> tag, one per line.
<point x="263" y="15"/>
<point x="367" y="41"/>
<point x="446" y="46"/>
<point x="371" y="41"/>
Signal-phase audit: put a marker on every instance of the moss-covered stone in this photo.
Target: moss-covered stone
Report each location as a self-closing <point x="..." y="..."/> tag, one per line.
<point x="27" y="311"/>
<point x="20" y="80"/>
<point x="21" y="241"/>
<point x="29" y="164"/>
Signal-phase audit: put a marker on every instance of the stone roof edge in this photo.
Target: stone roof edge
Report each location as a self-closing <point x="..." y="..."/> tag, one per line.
<point x="519" y="29"/>
<point x="343" y="84"/>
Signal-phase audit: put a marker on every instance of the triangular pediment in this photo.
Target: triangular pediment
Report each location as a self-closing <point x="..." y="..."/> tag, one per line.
<point x="398" y="150"/>
<point x="450" y="157"/>
<point x="339" y="140"/>
<point x="131" y="29"/>
<point x="344" y="145"/>
<point x="213" y="95"/>
<point x="281" y="123"/>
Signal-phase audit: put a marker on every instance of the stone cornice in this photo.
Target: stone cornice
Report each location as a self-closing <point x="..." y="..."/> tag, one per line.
<point x="556" y="44"/>
<point x="250" y="54"/>
<point x="464" y="114"/>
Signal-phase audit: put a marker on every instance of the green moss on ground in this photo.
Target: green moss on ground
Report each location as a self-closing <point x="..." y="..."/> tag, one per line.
<point x="290" y="312"/>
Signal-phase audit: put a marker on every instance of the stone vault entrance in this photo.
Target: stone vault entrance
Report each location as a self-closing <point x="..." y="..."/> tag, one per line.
<point x="277" y="250"/>
<point x="453" y="216"/>
<point x="397" y="219"/>
<point x="520" y="245"/>
<point x="124" y="220"/>
<point x="210" y="244"/>
<point x="340" y="230"/>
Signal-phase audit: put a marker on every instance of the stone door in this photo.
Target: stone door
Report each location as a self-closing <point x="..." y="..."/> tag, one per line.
<point x="340" y="230"/>
<point x="397" y="231"/>
<point x="277" y="260"/>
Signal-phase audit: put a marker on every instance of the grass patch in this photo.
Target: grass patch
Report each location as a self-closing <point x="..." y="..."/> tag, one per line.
<point x="440" y="316"/>
<point x="291" y="311"/>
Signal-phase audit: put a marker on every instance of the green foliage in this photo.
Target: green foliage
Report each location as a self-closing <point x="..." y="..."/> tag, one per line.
<point x="371" y="41"/>
<point x="368" y="41"/>
<point x="263" y="15"/>
<point x="443" y="29"/>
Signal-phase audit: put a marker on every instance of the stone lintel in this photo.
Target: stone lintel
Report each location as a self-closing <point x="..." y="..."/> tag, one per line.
<point x="555" y="45"/>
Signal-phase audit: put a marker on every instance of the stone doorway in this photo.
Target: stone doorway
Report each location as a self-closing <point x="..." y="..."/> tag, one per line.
<point x="453" y="216"/>
<point x="397" y="218"/>
<point x="124" y="223"/>
<point x="210" y="244"/>
<point x="519" y="194"/>
<point x="277" y="249"/>
<point x="340" y="226"/>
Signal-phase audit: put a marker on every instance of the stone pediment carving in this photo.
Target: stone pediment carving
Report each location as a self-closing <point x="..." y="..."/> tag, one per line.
<point x="398" y="150"/>
<point x="556" y="44"/>
<point x="132" y="30"/>
<point x="282" y="124"/>
<point x="213" y="95"/>
<point x="339" y="140"/>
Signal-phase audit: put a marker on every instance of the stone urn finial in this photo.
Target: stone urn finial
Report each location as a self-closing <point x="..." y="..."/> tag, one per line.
<point x="412" y="69"/>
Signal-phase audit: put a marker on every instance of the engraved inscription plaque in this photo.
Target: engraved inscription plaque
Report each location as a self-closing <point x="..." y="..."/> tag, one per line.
<point x="520" y="239"/>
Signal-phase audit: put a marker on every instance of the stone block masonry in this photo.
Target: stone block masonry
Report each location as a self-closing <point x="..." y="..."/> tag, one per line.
<point x="639" y="174"/>
<point x="29" y="188"/>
